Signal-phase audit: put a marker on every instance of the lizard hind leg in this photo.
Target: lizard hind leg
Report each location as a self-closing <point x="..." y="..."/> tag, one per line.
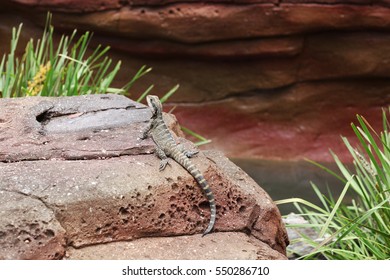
<point x="190" y="154"/>
<point x="164" y="159"/>
<point x="187" y="153"/>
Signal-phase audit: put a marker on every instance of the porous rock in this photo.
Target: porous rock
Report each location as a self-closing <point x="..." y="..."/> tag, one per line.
<point x="28" y="228"/>
<point x="81" y="158"/>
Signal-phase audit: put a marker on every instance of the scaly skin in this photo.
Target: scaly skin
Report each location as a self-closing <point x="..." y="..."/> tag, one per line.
<point x="166" y="147"/>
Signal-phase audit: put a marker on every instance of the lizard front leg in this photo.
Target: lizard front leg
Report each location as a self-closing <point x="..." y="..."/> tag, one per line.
<point x="145" y="131"/>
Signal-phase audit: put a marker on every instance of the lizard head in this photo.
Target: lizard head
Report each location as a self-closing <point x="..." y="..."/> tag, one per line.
<point x="154" y="104"/>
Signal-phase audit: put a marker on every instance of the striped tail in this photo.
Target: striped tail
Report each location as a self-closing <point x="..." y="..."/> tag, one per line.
<point x="186" y="163"/>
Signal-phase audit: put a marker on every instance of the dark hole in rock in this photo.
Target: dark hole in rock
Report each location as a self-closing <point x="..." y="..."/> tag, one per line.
<point x="204" y="205"/>
<point x="33" y="226"/>
<point x="123" y="211"/>
<point x="247" y="231"/>
<point x="43" y="117"/>
<point x="162" y="216"/>
<point x="195" y="209"/>
<point x="242" y="209"/>
<point x="49" y="233"/>
<point x="38" y="237"/>
<point x="23" y="232"/>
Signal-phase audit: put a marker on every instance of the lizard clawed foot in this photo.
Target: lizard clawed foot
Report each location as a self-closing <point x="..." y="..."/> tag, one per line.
<point x="163" y="164"/>
<point x="143" y="136"/>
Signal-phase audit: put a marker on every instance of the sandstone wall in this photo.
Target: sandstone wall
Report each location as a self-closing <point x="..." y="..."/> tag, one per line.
<point x="278" y="79"/>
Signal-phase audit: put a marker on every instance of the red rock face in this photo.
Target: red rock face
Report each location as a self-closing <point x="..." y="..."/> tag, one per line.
<point x="304" y="122"/>
<point x="264" y="79"/>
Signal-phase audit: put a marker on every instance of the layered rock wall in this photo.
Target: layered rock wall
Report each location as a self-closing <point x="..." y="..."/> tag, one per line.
<point x="280" y="79"/>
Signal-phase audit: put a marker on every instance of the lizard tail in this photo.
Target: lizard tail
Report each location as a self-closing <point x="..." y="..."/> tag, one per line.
<point x="213" y="210"/>
<point x="205" y="188"/>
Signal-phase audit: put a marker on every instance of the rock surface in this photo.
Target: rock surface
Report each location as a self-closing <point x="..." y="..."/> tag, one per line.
<point x="298" y="228"/>
<point x="95" y="182"/>
<point x="218" y="246"/>
<point x="28" y="228"/>
<point x="271" y="52"/>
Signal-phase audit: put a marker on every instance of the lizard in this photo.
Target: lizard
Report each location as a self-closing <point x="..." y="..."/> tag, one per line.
<point x="166" y="147"/>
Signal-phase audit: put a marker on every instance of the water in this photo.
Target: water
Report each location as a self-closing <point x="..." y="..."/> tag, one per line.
<point x="282" y="179"/>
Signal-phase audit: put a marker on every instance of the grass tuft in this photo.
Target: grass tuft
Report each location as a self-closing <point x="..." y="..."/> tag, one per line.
<point x="65" y="70"/>
<point x="360" y="229"/>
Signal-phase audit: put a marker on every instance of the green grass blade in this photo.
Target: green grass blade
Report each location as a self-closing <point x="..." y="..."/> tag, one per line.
<point x="334" y="210"/>
<point x="169" y="94"/>
<point x="71" y="71"/>
<point x="300" y="201"/>
<point x="146" y="92"/>
<point x="327" y="170"/>
<point x="202" y="140"/>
